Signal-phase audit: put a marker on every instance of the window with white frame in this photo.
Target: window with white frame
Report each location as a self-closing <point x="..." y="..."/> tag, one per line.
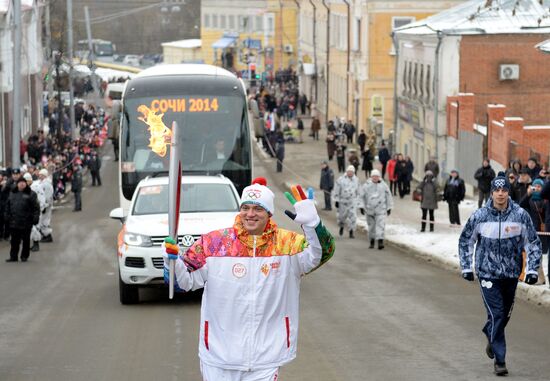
<point x="259" y="23"/>
<point x="356" y="33"/>
<point x="215" y="21"/>
<point x="398" y="22"/>
<point x="206" y="21"/>
<point x="231" y="22"/>
<point x="223" y="22"/>
<point x="270" y="23"/>
<point x="342" y="32"/>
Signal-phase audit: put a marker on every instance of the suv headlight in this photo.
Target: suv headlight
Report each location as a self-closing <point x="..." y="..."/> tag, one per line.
<point x="134" y="239"/>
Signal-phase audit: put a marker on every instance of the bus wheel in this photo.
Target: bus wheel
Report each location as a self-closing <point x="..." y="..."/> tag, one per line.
<point x="128" y="294"/>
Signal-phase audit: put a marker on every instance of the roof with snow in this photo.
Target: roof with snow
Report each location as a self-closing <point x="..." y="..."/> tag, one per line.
<point x="185" y="44"/>
<point x="486" y="17"/>
<point x="544" y="46"/>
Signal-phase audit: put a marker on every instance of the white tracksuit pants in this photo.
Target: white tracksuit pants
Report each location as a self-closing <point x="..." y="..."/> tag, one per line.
<point x="213" y="373"/>
<point x="44" y="225"/>
<point x="377" y="225"/>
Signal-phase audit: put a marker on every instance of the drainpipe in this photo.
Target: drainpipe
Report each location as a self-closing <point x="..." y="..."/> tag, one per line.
<point x="395" y="40"/>
<point x="327" y="77"/>
<point x="436" y="92"/>
<point x="315" y="48"/>
<point x="348" y="58"/>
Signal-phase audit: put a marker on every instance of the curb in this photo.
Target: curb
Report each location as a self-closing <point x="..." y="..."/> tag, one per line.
<point x="535" y="295"/>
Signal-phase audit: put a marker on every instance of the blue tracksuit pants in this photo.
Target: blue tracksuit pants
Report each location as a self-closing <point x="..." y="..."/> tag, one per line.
<point x="498" y="296"/>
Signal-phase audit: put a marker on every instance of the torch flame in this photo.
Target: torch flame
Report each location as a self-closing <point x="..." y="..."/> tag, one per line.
<point x="160" y="134"/>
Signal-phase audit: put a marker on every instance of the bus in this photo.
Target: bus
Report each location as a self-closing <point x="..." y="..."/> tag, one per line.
<point x="208" y="103"/>
<point x="102" y="48"/>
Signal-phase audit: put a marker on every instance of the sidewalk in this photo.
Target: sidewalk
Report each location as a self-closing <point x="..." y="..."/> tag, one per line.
<point x="302" y="165"/>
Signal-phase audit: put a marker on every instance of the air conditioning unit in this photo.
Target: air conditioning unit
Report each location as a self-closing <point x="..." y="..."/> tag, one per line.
<point x="288" y="48"/>
<point x="508" y="72"/>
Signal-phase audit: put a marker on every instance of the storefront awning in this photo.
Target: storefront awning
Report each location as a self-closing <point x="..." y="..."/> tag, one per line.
<point x="224" y="42"/>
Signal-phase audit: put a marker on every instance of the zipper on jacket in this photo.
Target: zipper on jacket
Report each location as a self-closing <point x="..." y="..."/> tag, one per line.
<point x="252" y="274"/>
<point x="499" y="229"/>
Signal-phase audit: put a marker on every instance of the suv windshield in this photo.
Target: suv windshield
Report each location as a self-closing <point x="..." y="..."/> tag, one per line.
<point x="153" y="199"/>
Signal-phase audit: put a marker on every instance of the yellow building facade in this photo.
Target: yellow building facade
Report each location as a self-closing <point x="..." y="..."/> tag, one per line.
<point x="236" y="33"/>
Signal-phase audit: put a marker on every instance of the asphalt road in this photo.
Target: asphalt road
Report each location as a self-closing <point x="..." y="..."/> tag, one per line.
<point x="365" y="315"/>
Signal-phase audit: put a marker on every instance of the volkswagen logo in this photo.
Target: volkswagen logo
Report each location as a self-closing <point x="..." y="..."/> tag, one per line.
<point x="187" y="240"/>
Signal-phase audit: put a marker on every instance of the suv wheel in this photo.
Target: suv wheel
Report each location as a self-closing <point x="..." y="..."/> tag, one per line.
<point x="128" y="294"/>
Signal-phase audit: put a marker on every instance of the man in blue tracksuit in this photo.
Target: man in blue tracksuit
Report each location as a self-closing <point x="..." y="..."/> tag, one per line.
<point x="500" y="232"/>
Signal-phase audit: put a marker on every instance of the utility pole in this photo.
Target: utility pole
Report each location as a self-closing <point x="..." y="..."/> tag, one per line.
<point x="48" y="44"/>
<point x="71" y="55"/>
<point x="16" y="130"/>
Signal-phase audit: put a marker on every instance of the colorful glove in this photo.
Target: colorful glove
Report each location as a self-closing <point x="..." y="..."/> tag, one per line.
<point x="306" y="213"/>
<point x="171" y="249"/>
<point x="531" y="279"/>
<point x="469" y="276"/>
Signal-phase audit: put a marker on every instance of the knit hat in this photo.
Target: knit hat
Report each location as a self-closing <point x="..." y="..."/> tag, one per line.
<point x="500" y="182"/>
<point x="43" y="172"/>
<point x="350" y="168"/>
<point x="538" y="182"/>
<point x="27" y="176"/>
<point x="375" y="172"/>
<point x="258" y="194"/>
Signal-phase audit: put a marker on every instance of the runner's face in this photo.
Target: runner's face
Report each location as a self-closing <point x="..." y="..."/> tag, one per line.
<point x="500" y="198"/>
<point x="254" y="218"/>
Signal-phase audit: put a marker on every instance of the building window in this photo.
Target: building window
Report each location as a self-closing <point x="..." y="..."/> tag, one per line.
<point x="421" y="83"/>
<point x="415" y="80"/>
<point x="398" y="22"/>
<point x="428" y="83"/>
<point x="206" y="21"/>
<point x="356" y="43"/>
<point x="231" y="22"/>
<point x="223" y="23"/>
<point x="215" y="21"/>
<point x="260" y="23"/>
<point x="405" y="77"/>
<point x="410" y="79"/>
<point x="270" y="23"/>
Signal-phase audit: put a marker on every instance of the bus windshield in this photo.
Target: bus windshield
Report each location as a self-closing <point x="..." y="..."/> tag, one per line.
<point x="212" y="130"/>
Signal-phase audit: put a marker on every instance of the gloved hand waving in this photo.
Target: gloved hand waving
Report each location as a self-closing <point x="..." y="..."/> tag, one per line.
<point x="171" y="249"/>
<point x="306" y="213"/>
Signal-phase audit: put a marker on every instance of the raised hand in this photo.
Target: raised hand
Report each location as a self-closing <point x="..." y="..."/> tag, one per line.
<point x="304" y="207"/>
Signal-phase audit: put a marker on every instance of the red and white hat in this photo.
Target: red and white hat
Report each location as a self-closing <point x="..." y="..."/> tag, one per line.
<point x="258" y="194"/>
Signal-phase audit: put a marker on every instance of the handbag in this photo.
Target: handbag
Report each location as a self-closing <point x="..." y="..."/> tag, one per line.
<point x="417" y="195"/>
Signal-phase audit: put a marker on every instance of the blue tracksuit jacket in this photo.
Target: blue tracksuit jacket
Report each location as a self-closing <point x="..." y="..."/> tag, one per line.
<point x="500" y="238"/>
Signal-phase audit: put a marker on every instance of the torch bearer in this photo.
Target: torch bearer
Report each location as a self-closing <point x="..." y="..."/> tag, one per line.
<point x="174" y="177"/>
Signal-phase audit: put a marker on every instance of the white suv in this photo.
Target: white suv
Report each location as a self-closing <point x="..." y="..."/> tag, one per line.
<point x="207" y="203"/>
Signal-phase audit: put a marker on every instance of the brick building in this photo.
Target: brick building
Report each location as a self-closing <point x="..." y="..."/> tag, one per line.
<point x="474" y="48"/>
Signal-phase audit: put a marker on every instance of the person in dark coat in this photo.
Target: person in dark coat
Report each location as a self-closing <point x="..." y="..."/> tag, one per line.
<point x="95" y="166"/>
<point x="280" y="149"/>
<point x="523" y="184"/>
<point x="326" y="184"/>
<point x="349" y="131"/>
<point x="429" y="190"/>
<point x="432" y="165"/>
<point x="367" y="162"/>
<point x="76" y="187"/>
<point x="362" y="140"/>
<point x="300" y="127"/>
<point x="514" y="186"/>
<point x="538" y="209"/>
<point x="331" y="145"/>
<point x="5" y="190"/>
<point x="341" y="156"/>
<point x="384" y="157"/>
<point x="453" y="193"/>
<point x="534" y="168"/>
<point x="484" y="176"/>
<point x="22" y="212"/>
<point x="401" y="175"/>
<point x="353" y="159"/>
<point x="315" y="128"/>
<point x="409" y="167"/>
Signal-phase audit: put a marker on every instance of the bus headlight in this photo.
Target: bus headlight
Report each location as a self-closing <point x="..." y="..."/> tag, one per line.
<point x="134" y="239"/>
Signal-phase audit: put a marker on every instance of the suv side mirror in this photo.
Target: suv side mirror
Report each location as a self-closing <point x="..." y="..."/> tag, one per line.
<point x="117" y="214"/>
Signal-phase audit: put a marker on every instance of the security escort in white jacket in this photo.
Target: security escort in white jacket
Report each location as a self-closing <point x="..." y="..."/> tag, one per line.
<point x="251" y="275"/>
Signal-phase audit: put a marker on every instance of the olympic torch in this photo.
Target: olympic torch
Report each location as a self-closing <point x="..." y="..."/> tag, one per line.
<point x="174" y="194"/>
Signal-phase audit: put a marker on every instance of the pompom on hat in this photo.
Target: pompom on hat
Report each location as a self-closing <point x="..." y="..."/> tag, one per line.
<point x="500" y="182"/>
<point x="259" y="194"/>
